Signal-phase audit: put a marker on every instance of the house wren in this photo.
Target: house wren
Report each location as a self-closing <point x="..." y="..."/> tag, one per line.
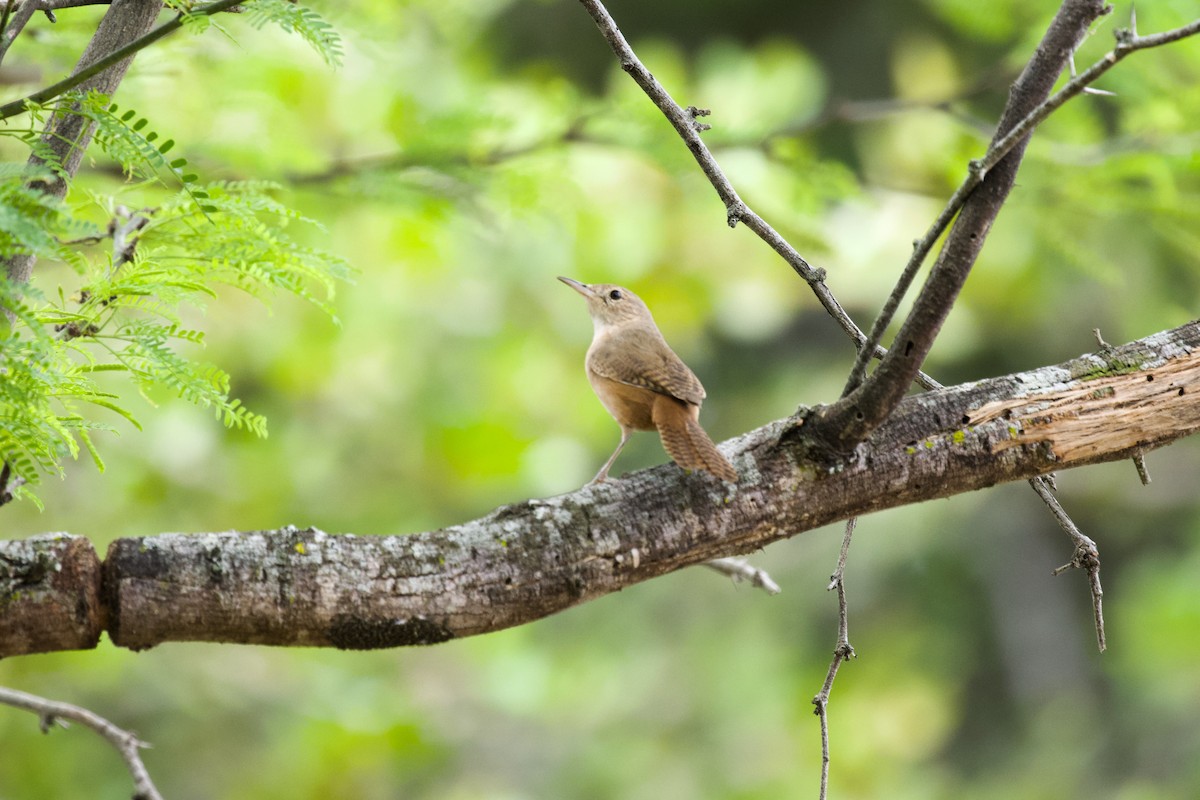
<point x="642" y="383"/>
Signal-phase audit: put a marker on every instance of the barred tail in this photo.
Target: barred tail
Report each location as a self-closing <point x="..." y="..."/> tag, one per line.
<point x="687" y="443"/>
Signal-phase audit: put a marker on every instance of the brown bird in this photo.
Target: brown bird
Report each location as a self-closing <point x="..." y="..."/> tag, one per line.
<point x="642" y="383"/>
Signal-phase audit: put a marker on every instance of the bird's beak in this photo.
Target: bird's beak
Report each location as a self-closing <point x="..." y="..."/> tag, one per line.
<point x="582" y="288"/>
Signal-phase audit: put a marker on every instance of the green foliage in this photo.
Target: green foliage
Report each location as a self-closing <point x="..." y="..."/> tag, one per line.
<point x="135" y="278"/>
<point x="456" y="385"/>
<point x="295" y="18"/>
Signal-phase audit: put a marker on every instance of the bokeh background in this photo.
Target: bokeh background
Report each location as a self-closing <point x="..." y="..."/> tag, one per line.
<point x="463" y="156"/>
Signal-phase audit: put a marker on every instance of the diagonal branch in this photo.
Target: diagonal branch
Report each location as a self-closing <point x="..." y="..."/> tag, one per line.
<point x="736" y="210"/>
<point x="113" y="57"/>
<point x="1127" y="42"/>
<point x="852" y="419"/>
<point x="127" y="744"/>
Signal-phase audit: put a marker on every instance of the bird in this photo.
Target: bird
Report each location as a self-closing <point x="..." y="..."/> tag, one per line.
<point x="642" y="383"/>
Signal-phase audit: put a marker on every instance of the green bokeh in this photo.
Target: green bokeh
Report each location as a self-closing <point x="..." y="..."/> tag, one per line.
<point x="463" y="156"/>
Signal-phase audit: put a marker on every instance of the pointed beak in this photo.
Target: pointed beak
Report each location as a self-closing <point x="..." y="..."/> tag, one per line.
<point x="582" y="288"/>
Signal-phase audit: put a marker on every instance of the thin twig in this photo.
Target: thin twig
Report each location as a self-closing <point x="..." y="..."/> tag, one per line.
<point x="841" y="652"/>
<point x="1086" y="556"/>
<point x="739" y="569"/>
<point x="51" y="712"/>
<point x="736" y="209"/>
<point x="16" y="107"/>
<point x="1139" y="463"/>
<point x="1127" y="42"/>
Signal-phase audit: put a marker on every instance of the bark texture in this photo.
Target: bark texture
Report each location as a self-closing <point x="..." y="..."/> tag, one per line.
<point x="849" y="421"/>
<point x="49" y="595"/>
<point x="531" y="559"/>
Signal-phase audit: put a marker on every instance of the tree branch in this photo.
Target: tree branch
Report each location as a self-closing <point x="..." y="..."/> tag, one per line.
<point x="124" y="52"/>
<point x="127" y="745"/>
<point x="1085" y="557"/>
<point x="537" y="557"/>
<point x="739" y="569"/>
<point x="736" y="210"/>
<point x="853" y="418"/>
<point x="101" y="67"/>
<point x="842" y="652"/>
<point x="1127" y="42"/>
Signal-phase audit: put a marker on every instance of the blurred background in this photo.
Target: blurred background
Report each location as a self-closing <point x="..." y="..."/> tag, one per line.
<point x="464" y="155"/>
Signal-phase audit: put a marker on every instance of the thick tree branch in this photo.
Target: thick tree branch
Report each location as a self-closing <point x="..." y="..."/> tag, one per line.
<point x="1127" y="42"/>
<point x="534" y="558"/>
<point x="49" y="595"/>
<point x="852" y="419"/>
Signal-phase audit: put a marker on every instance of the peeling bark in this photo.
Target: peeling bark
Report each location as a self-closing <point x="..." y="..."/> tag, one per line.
<point x="531" y="559"/>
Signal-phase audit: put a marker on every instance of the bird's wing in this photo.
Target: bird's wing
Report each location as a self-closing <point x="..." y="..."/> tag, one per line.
<point x="638" y="359"/>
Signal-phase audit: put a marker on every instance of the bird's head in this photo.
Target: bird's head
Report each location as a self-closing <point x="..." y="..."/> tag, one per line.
<point x="610" y="305"/>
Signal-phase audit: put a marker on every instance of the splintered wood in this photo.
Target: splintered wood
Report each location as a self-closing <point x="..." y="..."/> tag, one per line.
<point x="1084" y="417"/>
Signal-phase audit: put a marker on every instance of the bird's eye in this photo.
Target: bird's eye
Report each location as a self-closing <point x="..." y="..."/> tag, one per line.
<point x="615" y="294"/>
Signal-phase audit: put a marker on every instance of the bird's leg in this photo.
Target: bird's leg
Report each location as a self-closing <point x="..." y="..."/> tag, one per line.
<point x="603" y="473"/>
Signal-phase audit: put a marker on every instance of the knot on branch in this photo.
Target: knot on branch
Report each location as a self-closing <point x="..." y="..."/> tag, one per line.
<point x="734" y="212"/>
<point x="1085" y="557"/>
<point x="693" y="113"/>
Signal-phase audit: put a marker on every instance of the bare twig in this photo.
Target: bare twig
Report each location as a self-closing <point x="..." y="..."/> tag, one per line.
<point x="1086" y="556"/>
<point x="841" y="652"/>
<point x="736" y="210"/>
<point x="848" y="422"/>
<point x="11" y="24"/>
<point x="739" y="569"/>
<point x="52" y="712"/>
<point x="398" y="161"/>
<point x="1139" y="463"/>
